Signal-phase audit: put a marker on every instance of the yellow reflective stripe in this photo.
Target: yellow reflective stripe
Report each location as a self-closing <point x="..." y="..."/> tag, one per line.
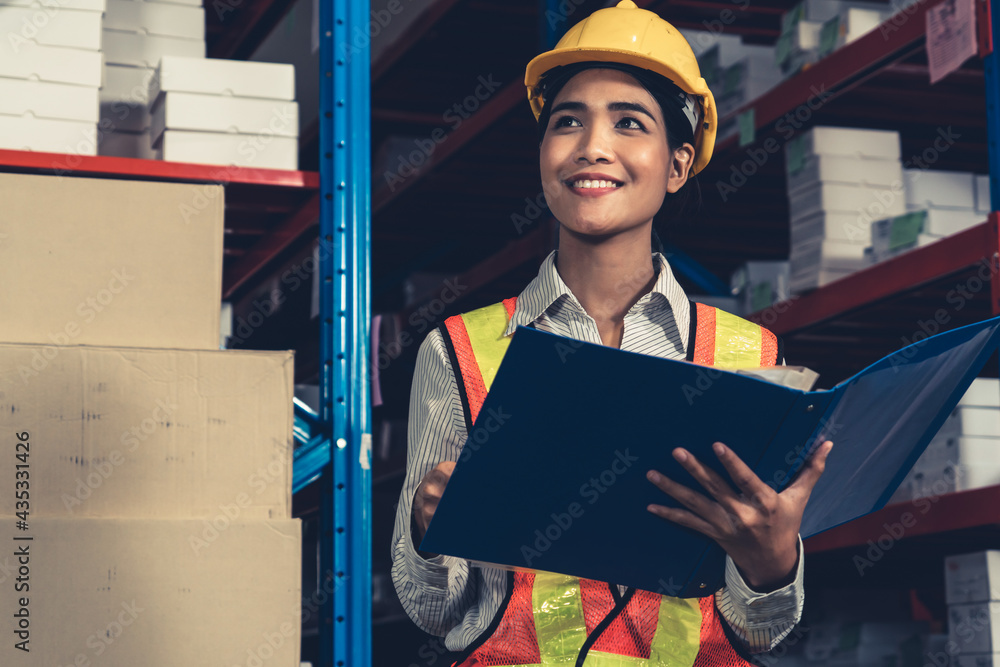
<point x="485" y="327"/>
<point x="559" y="621"/>
<point x="678" y="633"/>
<point x="737" y="342"/>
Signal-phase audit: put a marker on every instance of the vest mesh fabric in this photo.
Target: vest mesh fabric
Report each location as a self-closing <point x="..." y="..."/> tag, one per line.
<point x="704" y="342"/>
<point x="514" y="642"/>
<point x="715" y="649"/>
<point x="768" y="348"/>
<point x="632" y="631"/>
<point x="475" y="388"/>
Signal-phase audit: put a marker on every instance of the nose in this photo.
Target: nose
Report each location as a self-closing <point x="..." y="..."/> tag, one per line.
<point x="595" y="146"/>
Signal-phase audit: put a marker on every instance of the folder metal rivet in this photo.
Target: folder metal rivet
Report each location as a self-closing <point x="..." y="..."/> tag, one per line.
<point x="809" y="408"/>
<point x="701" y="585"/>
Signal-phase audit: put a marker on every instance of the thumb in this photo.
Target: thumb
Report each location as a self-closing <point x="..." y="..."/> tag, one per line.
<point x="814" y="467"/>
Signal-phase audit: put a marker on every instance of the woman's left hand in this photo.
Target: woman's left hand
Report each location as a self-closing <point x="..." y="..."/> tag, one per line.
<point x="759" y="528"/>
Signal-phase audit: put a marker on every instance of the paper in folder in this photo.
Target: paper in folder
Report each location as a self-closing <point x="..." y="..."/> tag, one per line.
<point x="553" y="475"/>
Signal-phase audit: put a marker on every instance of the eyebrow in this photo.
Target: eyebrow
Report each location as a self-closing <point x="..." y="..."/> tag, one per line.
<point x="612" y="106"/>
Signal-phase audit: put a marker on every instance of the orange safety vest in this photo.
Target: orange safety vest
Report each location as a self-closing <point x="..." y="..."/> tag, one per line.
<point x="553" y="619"/>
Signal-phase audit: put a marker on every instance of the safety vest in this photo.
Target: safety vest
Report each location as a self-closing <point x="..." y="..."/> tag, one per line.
<point x="553" y="619"/>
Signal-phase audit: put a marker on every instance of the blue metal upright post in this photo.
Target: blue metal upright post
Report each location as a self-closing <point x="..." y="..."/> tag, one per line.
<point x="345" y="270"/>
<point x="991" y="68"/>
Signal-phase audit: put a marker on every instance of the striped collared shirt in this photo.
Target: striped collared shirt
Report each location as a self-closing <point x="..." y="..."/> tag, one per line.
<point x="447" y="597"/>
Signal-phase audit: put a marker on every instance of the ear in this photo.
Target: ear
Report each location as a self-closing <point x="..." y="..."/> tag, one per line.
<point x="680" y="167"/>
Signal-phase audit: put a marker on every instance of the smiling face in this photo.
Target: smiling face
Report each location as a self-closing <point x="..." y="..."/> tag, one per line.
<point x="605" y="162"/>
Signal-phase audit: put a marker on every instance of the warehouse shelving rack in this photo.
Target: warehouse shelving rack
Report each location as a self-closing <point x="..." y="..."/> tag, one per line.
<point x="271" y="213"/>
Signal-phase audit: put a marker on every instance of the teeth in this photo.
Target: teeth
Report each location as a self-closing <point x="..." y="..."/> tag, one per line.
<point x="594" y="184"/>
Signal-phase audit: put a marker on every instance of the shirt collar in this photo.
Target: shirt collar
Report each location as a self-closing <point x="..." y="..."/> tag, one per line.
<point x="548" y="287"/>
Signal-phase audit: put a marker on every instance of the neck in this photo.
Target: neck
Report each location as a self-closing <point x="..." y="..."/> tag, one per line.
<point x="609" y="276"/>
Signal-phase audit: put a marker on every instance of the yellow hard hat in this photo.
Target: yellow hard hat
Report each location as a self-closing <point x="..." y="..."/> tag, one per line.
<point x="628" y="35"/>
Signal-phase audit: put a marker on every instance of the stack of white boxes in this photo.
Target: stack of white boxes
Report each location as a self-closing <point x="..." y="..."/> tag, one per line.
<point x="965" y="453"/>
<point x="839" y="181"/>
<point x="757" y="285"/>
<point x="147" y="502"/>
<point x="938" y="204"/>
<point x="50" y="73"/>
<point x="137" y="33"/>
<point x="972" y="591"/>
<point x="225" y="112"/>
<point x="851" y="643"/>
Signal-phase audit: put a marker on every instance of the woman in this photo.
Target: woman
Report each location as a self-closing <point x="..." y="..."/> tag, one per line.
<point x="625" y="119"/>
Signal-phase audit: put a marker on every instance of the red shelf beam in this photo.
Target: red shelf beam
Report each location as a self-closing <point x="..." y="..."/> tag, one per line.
<point x="977" y="508"/>
<point x="887" y="279"/>
<point x="87" y="165"/>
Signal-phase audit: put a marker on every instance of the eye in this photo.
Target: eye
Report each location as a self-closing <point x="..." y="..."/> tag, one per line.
<point x="565" y="121"/>
<point x="630" y="123"/>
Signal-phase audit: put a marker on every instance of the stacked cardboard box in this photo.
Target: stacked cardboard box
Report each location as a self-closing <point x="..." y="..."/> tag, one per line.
<point x="757" y="285"/>
<point x="225" y="112"/>
<point x="150" y="500"/>
<point x="965" y="453"/>
<point x="972" y="591"/>
<point x="50" y="73"/>
<point x="839" y="181"/>
<point x="137" y="33"/>
<point x="938" y="204"/>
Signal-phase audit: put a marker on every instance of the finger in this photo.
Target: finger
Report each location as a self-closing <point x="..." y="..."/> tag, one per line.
<point x="814" y="467"/>
<point x="745" y="479"/>
<point x="689" y="498"/>
<point x="684" y="518"/>
<point x="710" y="480"/>
<point x="435" y="483"/>
<point x="447" y="467"/>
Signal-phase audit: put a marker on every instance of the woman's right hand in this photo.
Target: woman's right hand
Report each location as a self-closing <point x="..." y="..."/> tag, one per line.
<point x="429" y="493"/>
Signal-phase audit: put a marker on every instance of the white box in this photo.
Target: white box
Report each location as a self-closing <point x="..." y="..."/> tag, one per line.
<point x="856" y="22"/>
<point x="873" y="202"/>
<point x="229" y="149"/>
<point x="973" y="421"/>
<point x="156" y="18"/>
<point x="976" y="660"/>
<point x="852" y="142"/>
<point x="160" y="593"/>
<point x="983" y="393"/>
<point x="846" y="170"/>
<point x="972" y="577"/>
<point x="824" y="254"/>
<point x="974" y="628"/>
<point x="50" y="25"/>
<point x="48" y="136"/>
<point x="41" y="99"/>
<point x="215" y="113"/>
<point x="983" y="194"/>
<point x="805" y="35"/>
<point x="234" y="78"/>
<point x="933" y="189"/>
<point x="53" y="64"/>
<point x="760" y="284"/>
<point x="960" y="450"/>
<point x="121" y="143"/>
<point x="127" y="432"/>
<point x="951" y="478"/>
<point x="124" y="99"/>
<point x="814" y="278"/>
<point x="833" y="226"/>
<point x="129" y="48"/>
<point x="83" y="5"/>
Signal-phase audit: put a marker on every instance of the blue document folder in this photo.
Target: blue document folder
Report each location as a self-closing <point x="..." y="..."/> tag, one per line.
<point x="553" y="474"/>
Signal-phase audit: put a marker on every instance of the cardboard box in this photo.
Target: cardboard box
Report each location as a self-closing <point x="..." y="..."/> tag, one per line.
<point x="120" y="593"/>
<point x="156" y="18"/>
<point x="983" y="392"/>
<point x="953" y="478"/>
<point x="870" y="202"/>
<point x="55" y="101"/>
<point x="233" y="78"/>
<point x="812" y="278"/>
<point x="121" y="143"/>
<point x="868" y="172"/>
<point x="261" y="152"/>
<point x="125" y="99"/>
<point x="53" y="64"/>
<point x="852" y="142"/>
<point x="975" y="627"/>
<point x="136" y="50"/>
<point x="50" y="25"/>
<point x="825" y="254"/>
<point x="165" y="237"/>
<point x="215" y="113"/>
<point x="846" y="227"/>
<point x="48" y="136"/>
<point x="84" y="5"/>
<point x="961" y="450"/>
<point x="972" y="577"/>
<point x="983" y="194"/>
<point x="856" y="22"/>
<point x="757" y="285"/>
<point x="150" y="433"/>
<point x="935" y="189"/>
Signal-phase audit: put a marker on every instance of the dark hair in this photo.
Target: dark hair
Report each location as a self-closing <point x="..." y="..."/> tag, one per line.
<point x="687" y="200"/>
